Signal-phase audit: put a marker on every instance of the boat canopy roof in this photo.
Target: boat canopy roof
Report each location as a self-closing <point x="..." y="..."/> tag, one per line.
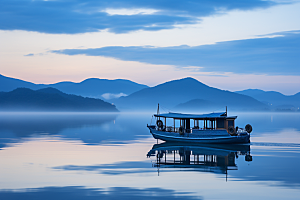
<point x="194" y="116"/>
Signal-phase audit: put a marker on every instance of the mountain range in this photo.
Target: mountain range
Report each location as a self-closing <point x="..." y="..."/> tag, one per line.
<point x="186" y="94"/>
<point x="188" y="91"/>
<point x="50" y="99"/>
<point x="92" y="87"/>
<point x="275" y="100"/>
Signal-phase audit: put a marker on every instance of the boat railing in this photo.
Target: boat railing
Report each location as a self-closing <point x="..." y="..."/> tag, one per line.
<point x="170" y="129"/>
<point x="176" y="130"/>
<point x="191" y="130"/>
<point x="188" y="130"/>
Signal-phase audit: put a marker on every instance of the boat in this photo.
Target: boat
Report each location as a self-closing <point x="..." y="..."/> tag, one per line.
<point x="207" y="128"/>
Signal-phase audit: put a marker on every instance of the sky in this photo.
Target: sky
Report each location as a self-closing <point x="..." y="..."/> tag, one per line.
<point x="228" y="44"/>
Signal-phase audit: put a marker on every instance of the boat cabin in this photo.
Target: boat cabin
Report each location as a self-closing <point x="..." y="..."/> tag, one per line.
<point x="190" y="122"/>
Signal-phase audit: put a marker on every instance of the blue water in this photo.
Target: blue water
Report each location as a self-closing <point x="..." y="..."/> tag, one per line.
<point x="113" y="156"/>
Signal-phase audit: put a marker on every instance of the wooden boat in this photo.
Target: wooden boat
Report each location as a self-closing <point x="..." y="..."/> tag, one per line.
<point x="207" y="128"/>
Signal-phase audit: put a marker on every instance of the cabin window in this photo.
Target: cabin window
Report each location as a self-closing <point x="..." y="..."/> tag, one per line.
<point x="209" y="124"/>
<point x="220" y="123"/>
<point x="230" y="123"/>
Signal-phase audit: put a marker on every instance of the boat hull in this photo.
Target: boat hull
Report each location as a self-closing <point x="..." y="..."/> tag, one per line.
<point x="175" y="137"/>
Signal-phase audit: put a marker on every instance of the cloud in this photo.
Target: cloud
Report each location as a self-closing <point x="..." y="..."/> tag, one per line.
<point x="108" y="96"/>
<point x="270" y="55"/>
<point x="31" y="54"/>
<point x="78" y="16"/>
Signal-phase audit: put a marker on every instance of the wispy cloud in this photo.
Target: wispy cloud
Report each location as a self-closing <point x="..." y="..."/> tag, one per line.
<point x="108" y="96"/>
<point x="270" y="55"/>
<point x="118" y="16"/>
<point x="30" y="54"/>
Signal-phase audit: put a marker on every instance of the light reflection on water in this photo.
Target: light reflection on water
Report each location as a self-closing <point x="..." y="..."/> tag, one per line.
<point x="113" y="156"/>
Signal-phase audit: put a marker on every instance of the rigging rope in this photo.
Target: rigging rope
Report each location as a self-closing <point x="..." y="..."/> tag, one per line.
<point x="165" y="109"/>
<point x="151" y="120"/>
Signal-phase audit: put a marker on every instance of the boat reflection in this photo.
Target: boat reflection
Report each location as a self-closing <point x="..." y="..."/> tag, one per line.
<point x="202" y="157"/>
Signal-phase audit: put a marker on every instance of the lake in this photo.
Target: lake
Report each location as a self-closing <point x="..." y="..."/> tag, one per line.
<point x="113" y="156"/>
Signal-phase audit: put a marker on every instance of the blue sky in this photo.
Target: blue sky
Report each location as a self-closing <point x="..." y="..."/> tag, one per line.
<point x="229" y="44"/>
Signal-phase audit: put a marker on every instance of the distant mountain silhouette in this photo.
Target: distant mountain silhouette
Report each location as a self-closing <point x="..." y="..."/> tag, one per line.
<point x="251" y="92"/>
<point x="50" y="99"/>
<point x="8" y="84"/>
<point x="198" y="104"/>
<point x="172" y="93"/>
<point x="92" y="87"/>
<point x="276" y="100"/>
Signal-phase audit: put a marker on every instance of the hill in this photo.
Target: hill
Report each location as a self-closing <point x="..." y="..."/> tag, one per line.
<point x="251" y="92"/>
<point x="276" y="100"/>
<point x="92" y="87"/>
<point x="200" y="104"/>
<point x="8" y="84"/>
<point x="172" y="93"/>
<point x="99" y="88"/>
<point x="50" y="99"/>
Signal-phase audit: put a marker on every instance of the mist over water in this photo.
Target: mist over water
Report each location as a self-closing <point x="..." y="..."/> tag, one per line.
<point x="113" y="156"/>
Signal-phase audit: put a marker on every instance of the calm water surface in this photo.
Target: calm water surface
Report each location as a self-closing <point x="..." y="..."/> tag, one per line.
<point x="113" y="156"/>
